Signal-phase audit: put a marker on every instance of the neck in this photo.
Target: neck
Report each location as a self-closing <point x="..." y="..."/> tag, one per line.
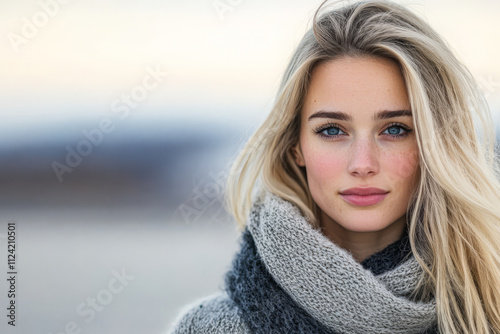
<point x="361" y="244"/>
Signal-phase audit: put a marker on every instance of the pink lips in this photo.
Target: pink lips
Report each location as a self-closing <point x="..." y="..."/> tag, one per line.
<point x="364" y="196"/>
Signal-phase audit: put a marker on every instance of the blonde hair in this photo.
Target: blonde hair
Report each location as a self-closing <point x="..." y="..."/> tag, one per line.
<point x="455" y="213"/>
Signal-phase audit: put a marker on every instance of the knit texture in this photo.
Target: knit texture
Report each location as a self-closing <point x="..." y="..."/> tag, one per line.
<point x="327" y="283"/>
<point x="289" y="278"/>
<point x="215" y="314"/>
<point x="264" y="306"/>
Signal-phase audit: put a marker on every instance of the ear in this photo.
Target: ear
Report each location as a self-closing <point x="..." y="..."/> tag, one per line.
<point x="297" y="154"/>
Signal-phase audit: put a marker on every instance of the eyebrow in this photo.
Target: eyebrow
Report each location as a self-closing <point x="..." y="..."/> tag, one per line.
<point x="341" y="116"/>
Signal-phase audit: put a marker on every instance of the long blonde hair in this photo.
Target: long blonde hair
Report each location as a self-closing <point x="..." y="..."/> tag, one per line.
<point x="454" y="217"/>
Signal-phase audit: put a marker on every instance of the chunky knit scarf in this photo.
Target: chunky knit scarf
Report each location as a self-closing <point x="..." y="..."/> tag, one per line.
<point x="289" y="278"/>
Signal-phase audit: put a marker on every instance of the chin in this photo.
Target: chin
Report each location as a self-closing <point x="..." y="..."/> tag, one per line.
<point x="363" y="223"/>
<point x="356" y="227"/>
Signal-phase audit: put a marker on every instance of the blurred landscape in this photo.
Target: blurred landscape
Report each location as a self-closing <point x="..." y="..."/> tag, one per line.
<point x="141" y="170"/>
<point x="148" y="200"/>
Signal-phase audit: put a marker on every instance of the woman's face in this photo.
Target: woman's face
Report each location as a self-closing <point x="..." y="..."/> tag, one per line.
<point x="357" y="132"/>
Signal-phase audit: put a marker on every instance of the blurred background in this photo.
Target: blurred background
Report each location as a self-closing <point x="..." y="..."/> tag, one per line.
<point x="119" y="121"/>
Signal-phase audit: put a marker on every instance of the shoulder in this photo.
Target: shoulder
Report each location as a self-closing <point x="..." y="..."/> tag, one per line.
<point x="215" y="314"/>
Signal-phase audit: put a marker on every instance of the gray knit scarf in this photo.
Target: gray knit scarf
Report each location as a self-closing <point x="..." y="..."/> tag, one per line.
<point x="289" y="278"/>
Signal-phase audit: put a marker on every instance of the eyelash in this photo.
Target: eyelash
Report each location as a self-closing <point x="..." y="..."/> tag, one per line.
<point x="324" y="127"/>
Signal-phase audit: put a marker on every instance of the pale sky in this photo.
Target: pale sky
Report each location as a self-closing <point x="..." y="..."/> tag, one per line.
<point x="88" y="53"/>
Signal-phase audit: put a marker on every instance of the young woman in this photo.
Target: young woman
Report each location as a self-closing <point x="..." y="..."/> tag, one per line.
<point x="369" y="199"/>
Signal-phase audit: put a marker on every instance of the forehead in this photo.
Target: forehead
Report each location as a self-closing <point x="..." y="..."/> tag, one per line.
<point x="356" y="86"/>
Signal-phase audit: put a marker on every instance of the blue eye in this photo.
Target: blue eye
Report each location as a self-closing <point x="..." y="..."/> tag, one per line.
<point x="329" y="131"/>
<point x="394" y="131"/>
<point x="332" y="131"/>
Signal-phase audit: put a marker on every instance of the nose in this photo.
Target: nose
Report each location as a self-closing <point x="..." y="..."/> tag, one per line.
<point x="363" y="158"/>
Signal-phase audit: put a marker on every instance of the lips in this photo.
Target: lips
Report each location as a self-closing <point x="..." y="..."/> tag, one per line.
<point x="364" y="196"/>
<point x="364" y="191"/>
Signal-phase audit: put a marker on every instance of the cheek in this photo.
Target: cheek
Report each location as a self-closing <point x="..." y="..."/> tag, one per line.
<point x="323" y="166"/>
<point x="404" y="164"/>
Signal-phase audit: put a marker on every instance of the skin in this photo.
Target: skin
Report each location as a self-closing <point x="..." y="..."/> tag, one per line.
<point x="364" y="153"/>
